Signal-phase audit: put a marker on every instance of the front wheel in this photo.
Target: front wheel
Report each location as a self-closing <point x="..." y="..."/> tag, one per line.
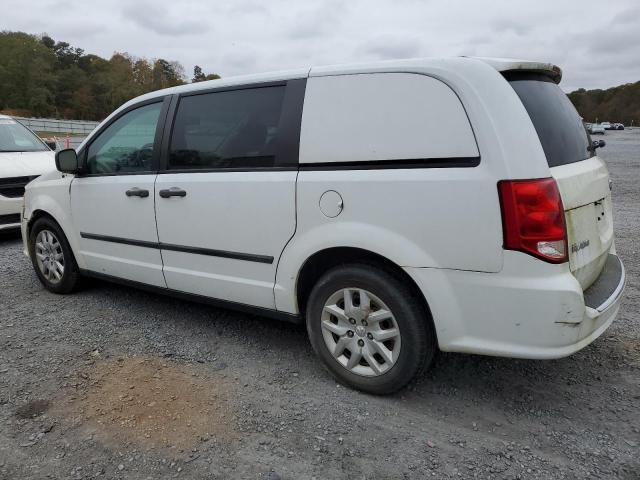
<point x="52" y="257"/>
<point x="369" y="329"/>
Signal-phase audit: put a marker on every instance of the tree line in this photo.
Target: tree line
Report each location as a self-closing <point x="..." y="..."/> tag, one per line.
<point x="617" y="104"/>
<point x="40" y="77"/>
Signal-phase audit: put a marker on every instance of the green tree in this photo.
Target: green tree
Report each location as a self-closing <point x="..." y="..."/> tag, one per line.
<point x="167" y="74"/>
<point x="199" y="76"/>
<point x="27" y="80"/>
<point x="616" y="104"/>
<point x="40" y="76"/>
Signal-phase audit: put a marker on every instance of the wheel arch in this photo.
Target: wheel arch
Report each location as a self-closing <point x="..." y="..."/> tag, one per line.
<point x="324" y="260"/>
<point x="37" y="214"/>
<point x="33" y="218"/>
<point x="56" y="214"/>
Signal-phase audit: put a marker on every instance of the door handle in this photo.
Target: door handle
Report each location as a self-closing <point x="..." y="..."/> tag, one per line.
<point x="172" y="192"/>
<point x="137" y="192"/>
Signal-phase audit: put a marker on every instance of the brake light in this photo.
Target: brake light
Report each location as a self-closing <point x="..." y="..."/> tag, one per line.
<point x="533" y="218"/>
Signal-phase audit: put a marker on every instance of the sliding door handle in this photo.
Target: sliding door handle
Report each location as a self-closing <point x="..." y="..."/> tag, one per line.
<point x="172" y="192"/>
<point x="137" y="192"/>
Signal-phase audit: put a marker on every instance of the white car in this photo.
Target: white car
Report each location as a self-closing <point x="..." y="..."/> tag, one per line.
<point x="395" y="207"/>
<point x="23" y="156"/>
<point x="596" y="129"/>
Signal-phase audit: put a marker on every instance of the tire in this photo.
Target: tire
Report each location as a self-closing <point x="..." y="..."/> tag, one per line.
<point x="407" y="333"/>
<point x="49" y="250"/>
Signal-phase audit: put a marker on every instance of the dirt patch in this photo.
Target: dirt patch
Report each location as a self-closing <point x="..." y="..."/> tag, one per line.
<point x="32" y="409"/>
<point x="631" y="348"/>
<point x="153" y="403"/>
<point x="632" y="345"/>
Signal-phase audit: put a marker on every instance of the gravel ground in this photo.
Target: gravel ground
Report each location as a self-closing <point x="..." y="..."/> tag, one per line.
<point x="118" y="383"/>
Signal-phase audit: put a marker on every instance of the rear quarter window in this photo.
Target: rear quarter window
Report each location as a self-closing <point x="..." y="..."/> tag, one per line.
<point x="560" y="129"/>
<point x="384" y="117"/>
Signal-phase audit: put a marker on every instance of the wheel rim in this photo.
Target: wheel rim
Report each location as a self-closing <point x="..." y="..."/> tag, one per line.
<point x="49" y="256"/>
<point x="360" y="332"/>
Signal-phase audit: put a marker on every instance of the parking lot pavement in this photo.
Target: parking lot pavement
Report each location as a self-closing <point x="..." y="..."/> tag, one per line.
<point x="117" y="383"/>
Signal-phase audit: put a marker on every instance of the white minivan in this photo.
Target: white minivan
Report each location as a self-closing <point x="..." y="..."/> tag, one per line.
<point x="397" y="208"/>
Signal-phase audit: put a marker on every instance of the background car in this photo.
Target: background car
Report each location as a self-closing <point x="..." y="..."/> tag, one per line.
<point x="23" y="157"/>
<point x="618" y="126"/>
<point x="595" y="128"/>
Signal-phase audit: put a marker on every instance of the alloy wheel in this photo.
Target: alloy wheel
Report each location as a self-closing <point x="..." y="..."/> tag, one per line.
<point x="49" y="256"/>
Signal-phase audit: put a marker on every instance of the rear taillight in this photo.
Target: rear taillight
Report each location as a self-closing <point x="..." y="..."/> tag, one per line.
<point x="533" y="218"/>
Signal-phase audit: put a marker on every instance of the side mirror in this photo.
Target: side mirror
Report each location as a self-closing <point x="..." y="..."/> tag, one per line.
<point x="67" y="161"/>
<point x="601" y="143"/>
<point x="52" y="144"/>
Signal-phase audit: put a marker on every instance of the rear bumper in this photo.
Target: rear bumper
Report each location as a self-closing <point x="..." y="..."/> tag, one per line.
<point x="608" y="286"/>
<point x="529" y="310"/>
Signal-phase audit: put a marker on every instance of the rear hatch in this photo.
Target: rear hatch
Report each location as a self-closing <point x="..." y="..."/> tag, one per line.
<point x="582" y="177"/>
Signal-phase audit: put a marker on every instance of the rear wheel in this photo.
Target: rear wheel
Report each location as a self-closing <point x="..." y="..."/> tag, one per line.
<point x="369" y="329"/>
<point x="52" y="257"/>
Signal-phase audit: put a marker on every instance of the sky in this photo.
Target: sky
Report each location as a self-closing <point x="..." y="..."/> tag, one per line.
<point x="596" y="43"/>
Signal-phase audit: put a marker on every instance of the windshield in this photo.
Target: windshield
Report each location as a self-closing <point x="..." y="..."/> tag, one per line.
<point x="14" y="137"/>
<point x="559" y="127"/>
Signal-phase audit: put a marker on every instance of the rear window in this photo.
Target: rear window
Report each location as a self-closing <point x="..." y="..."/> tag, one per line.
<point x="559" y="127"/>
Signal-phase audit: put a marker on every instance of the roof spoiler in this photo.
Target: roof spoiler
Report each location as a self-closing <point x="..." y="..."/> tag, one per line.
<point x="504" y="65"/>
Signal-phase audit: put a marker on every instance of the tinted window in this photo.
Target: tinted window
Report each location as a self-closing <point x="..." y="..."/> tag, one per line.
<point x="559" y="127"/>
<point x="126" y="146"/>
<point x="231" y="129"/>
<point x="15" y="137"/>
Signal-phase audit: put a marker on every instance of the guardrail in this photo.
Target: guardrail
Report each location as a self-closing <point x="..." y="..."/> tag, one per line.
<point x="72" y="127"/>
<point x="72" y="132"/>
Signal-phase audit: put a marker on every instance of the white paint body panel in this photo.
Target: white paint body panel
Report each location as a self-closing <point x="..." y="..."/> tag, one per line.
<point x="100" y="206"/>
<point x="382" y="116"/>
<point x="241" y="212"/>
<point x="10" y="206"/>
<point x="23" y="164"/>
<point x="530" y="309"/>
<point x="584" y="188"/>
<point x="49" y="193"/>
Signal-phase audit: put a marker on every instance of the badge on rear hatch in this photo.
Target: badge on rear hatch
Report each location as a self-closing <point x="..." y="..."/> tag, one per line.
<point x="576" y="247"/>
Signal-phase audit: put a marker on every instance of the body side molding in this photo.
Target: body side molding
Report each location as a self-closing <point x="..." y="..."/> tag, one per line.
<point x="249" y="257"/>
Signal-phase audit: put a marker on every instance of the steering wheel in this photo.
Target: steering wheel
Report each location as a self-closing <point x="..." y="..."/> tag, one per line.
<point x="137" y="158"/>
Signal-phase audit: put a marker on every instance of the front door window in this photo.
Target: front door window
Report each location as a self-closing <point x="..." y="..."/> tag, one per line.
<point x="126" y="146"/>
